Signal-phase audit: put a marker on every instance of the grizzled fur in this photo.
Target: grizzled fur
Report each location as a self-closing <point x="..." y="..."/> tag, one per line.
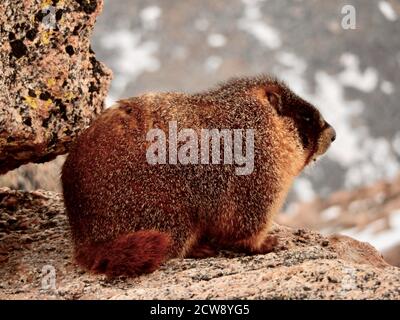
<point x="128" y="216"/>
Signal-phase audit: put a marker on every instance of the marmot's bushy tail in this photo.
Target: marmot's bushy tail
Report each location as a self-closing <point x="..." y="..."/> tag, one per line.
<point x="131" y="254"/>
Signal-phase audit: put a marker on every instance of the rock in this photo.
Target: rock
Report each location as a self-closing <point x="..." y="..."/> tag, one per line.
<point x="304" y="265"/>
<point x="33" y="176"/>
<point x="51" y="85"/>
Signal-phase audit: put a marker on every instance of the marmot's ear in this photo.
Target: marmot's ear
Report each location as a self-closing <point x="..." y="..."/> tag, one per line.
<point x="274" y="100"/>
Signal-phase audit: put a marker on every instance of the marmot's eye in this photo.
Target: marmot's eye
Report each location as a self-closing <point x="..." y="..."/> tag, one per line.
<point x="305" y="116"/>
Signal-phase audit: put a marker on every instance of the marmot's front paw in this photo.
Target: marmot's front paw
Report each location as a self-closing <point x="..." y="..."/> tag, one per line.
<point x="269" y="244"/>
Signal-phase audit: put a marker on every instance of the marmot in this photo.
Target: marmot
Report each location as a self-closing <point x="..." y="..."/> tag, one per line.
<point x="128" y="216"/>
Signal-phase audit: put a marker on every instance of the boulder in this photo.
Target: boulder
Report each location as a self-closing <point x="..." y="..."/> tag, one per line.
<point x="36" y="263"/>
<point x="51" y="85"/>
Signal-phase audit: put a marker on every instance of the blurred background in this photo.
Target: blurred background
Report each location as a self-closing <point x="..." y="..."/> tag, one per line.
<point x="351" y="75"/>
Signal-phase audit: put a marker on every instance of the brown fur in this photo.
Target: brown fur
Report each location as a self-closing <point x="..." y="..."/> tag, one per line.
<point x="128" y="216"/>
<point x="131" y="254"/>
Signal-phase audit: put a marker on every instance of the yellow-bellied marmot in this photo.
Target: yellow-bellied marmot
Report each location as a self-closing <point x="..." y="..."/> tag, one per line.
<point x="128" y="215"/>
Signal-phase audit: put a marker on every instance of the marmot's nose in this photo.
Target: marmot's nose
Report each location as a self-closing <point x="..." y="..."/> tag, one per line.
<point x="333" y="134"/>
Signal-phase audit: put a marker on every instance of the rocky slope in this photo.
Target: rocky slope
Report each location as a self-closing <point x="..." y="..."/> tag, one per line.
<point x="35" y="263"/>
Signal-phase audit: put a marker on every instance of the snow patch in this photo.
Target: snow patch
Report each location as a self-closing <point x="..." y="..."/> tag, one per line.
<point x="331" y="213"/>
<point x="304" y="190"/>
<point x="133" y="57"/>
<point x="353" y="77"/>
<point x="213" y="63"/>
<point x="253" y="23"/>
<point x="216" y="40"/>
<point x="110" y="100"/>
<point x="291" y="68"/>
<point x="380" y="240"/>
<point x="380" y="163"/>
<point x="292" y="209"/>
<point x="150" y="16"/>
<point x="387" y="87"/>
<point x="387" y="10"/>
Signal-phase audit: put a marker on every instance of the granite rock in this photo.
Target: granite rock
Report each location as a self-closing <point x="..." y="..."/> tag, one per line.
<point x="51" y="85"/>
<point x="35" y="249"/>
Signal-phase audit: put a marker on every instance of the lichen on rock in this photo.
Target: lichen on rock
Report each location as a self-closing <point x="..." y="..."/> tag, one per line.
<point x="51" y="85"/>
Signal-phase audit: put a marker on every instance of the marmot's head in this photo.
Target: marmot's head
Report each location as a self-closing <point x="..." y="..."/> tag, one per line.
<point x="300" y="120"/>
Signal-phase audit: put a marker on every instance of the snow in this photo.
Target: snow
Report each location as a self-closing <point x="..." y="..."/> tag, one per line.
<point x="304" y="189"/>
<point x="132" y="58"/>
<point x="331" y="213"/>
<point x="379" y="162"/>
<point x="110" y="100"/>
<point x="293" y="70"/>
<point x="387" y="87"/>
<point x="150" y="16"/>
<point x="253" y="23"/>
<point x="213" y="63"/>
<point x="216" y="40"/>
<point x="352" y="76"/>
<point x="387" y="10"/>
<point x="380" y="240"/>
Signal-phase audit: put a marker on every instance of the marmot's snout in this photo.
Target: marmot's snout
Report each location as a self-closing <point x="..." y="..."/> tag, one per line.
<point x="328" y="135"/>
<point x="331" y="132"/>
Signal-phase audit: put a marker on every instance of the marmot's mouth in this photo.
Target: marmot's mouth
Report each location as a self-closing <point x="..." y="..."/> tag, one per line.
<point x="327" y="136"/>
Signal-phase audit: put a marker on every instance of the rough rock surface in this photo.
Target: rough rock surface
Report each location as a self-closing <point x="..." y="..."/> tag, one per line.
<point x="305" y="265"/>
<point x="51" y="85"/>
